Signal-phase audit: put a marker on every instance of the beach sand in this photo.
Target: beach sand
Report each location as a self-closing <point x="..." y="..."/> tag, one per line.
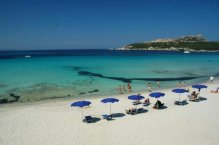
<point x="56" y="123"/>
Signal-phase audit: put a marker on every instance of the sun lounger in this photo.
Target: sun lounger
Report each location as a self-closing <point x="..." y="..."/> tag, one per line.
<point x="134" y="111"/>
<point x="137" y="102"/>
<point x="107" y="117"/>
<point x="140" y="110"/>
<point x="131" y="111"/>
<point x="191" y="98"/>
<point x="183" y="102"/>
<point x="88" y="119"/>
<point x="146" y="104"/>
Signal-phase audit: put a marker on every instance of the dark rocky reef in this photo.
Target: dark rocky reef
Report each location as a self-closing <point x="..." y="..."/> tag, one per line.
<point x="2" y="85"/>
<point x="37" y="92"/>
<point x="12" y="98"/>
<point x="126" y="80"/>
<point x="91" y="91"/>
<point x="217" y="74"/>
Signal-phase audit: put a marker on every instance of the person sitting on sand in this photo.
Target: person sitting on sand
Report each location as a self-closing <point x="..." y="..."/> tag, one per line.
<point x="158" y="104"/>
<point x="128" y="111"/>
<point x="146" y="101"/>
<point x="216" y="91"/>
<point x="133" y="110"/>
<point x="194" y="95"/>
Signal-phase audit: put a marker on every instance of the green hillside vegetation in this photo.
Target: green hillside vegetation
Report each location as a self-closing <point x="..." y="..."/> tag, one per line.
<point x="191" y="42"/>
<point x="210" y="46"/>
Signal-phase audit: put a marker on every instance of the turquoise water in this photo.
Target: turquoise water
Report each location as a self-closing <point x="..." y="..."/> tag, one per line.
<point x="53" y="75"/>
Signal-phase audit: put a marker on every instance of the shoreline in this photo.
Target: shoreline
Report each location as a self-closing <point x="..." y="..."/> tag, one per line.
<point x="91" y="97"/>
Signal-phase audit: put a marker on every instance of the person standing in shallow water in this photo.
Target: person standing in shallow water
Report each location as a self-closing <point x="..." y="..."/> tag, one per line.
<point x="179" y="85"/>
<point x="124" y="89"/>
<point x="129" y="87"/>
<point x="158" y="84"/>
<point x="184" y="85"/>
<point x="211" y="79"/>
<point x="149" y="87"/>
<point x="119" y="89"/>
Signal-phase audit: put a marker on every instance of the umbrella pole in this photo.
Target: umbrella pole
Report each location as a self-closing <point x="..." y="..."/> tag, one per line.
<point x="82" y="114"/>
<point x="110" y="109"/>
<point x="179" y="99"/>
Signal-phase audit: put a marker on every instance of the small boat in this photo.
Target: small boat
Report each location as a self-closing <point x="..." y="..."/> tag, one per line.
<point x="186" y="52"/>
<point x="27" y="56"/>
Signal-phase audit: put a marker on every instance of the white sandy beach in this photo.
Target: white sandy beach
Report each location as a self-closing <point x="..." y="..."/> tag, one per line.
<point x="56" y="123"/>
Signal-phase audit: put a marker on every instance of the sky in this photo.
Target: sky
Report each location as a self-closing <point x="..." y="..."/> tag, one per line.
<point x="85" y="24"/>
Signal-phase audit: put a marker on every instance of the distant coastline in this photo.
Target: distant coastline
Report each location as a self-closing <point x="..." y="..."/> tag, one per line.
<point x="165" y="49"/>
<point x="193" y="43"/>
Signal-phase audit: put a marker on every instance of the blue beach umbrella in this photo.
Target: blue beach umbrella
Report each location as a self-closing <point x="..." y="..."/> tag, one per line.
<point x="135" y="97"/>
<point x="110" y="100"/>
<point x="156" y="94"/>
<point x="179" y="91"/>
<point x="199" y="87"/>
<point x="81" y="104"/>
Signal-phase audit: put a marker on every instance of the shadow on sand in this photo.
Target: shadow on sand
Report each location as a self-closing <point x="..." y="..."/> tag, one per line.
<point x="118" y="115"/>
<point x="161" y="108"/>
<point x="200" y="99"/>
<point x="95" y="119"/>
<point x="143" y="111"/>
<point x="183" y="103"/>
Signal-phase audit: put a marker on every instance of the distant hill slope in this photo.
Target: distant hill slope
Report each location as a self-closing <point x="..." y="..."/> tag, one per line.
<point x="192" y="43"/>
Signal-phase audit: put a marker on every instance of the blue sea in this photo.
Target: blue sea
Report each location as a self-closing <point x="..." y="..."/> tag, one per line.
<point x="87" y="73"/>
